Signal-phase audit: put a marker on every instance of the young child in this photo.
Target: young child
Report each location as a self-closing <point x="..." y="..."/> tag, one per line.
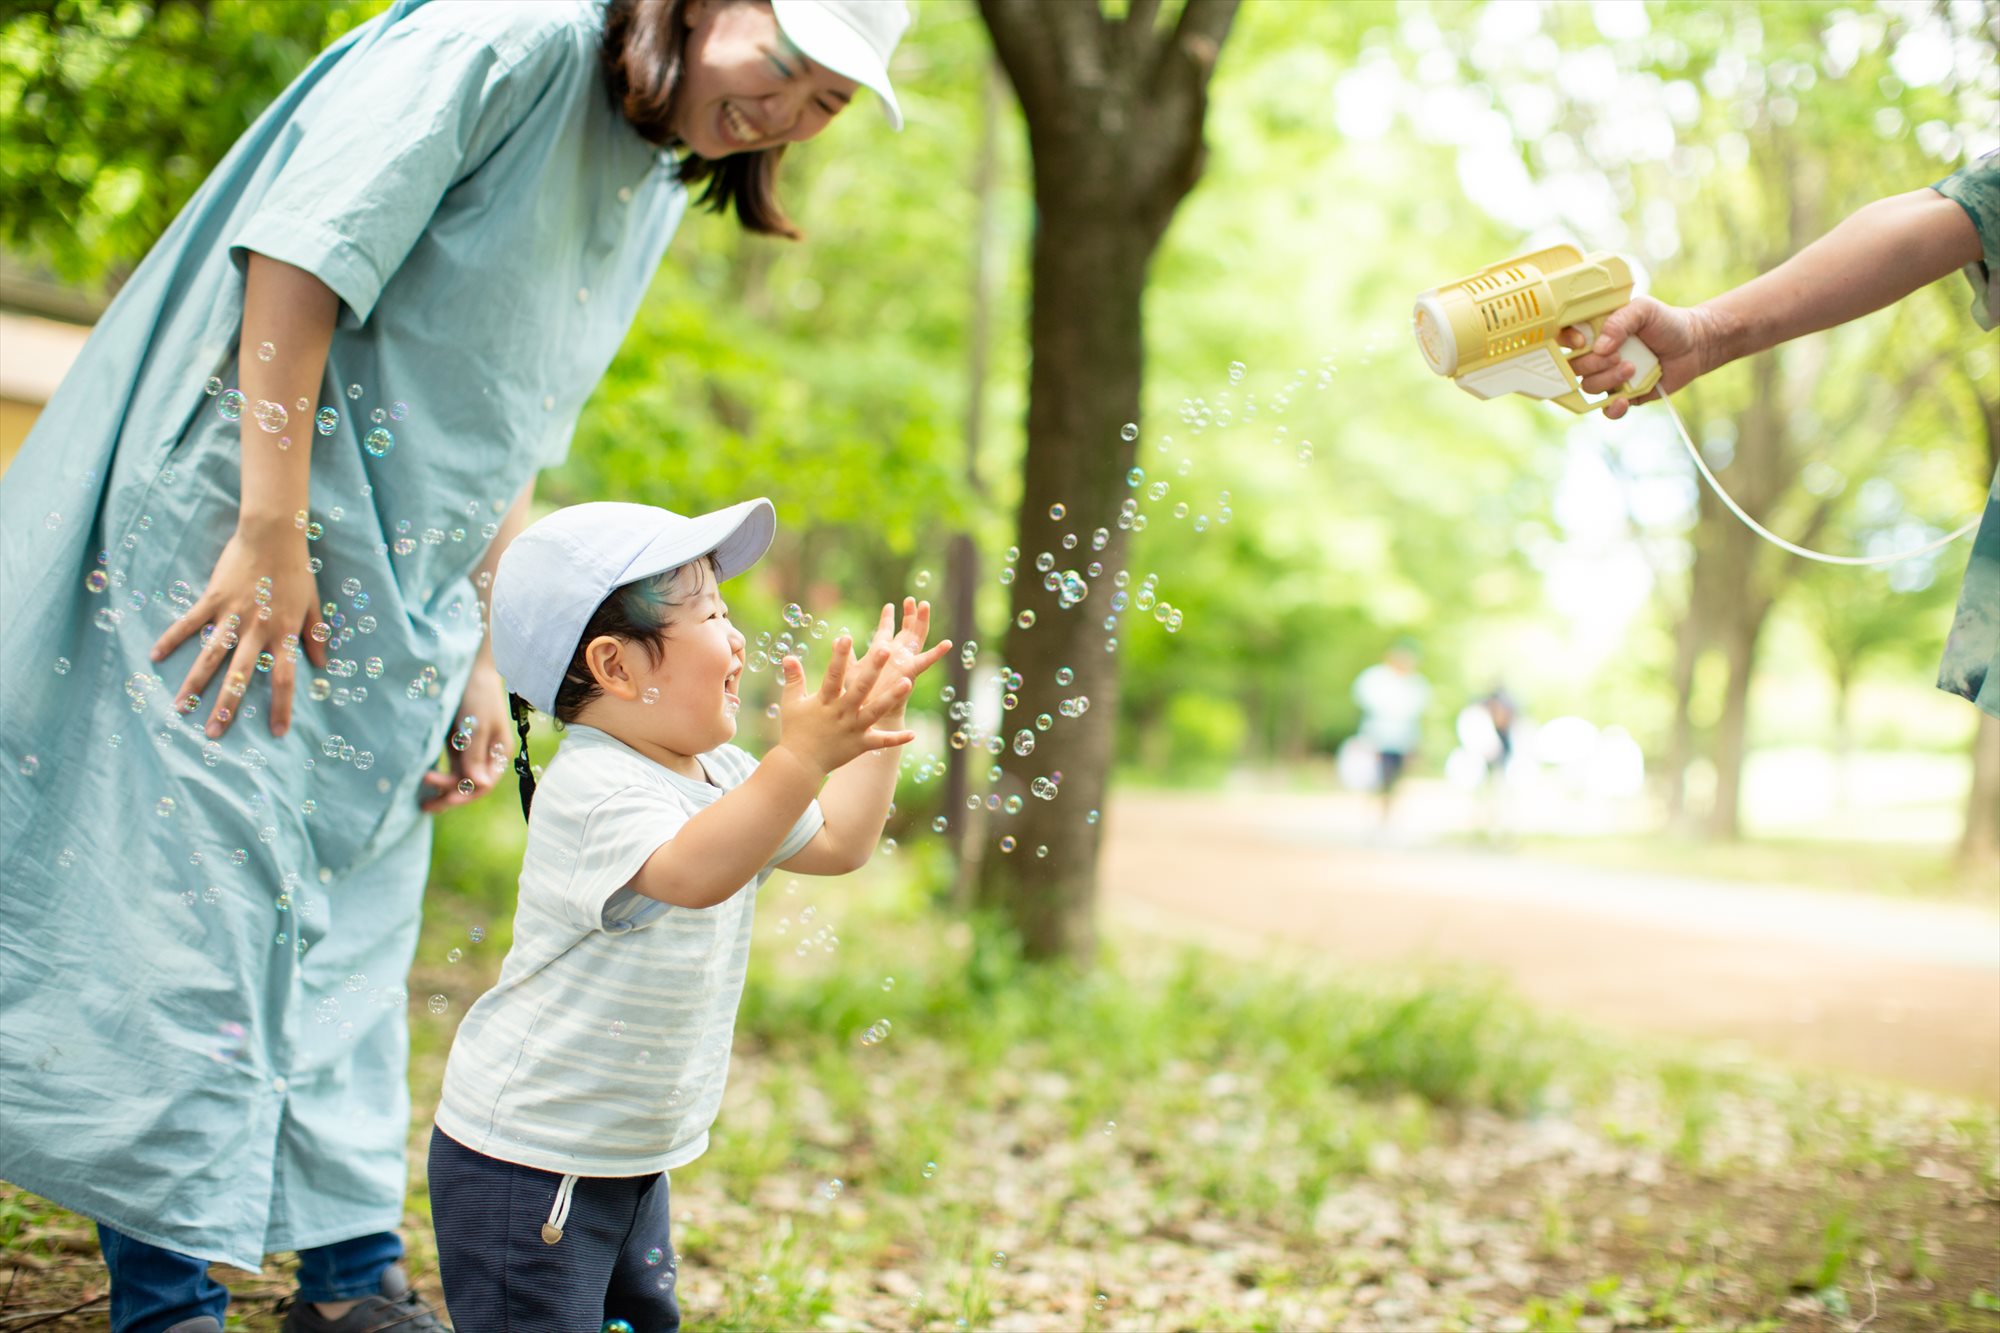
<point x="596" y="1064"/>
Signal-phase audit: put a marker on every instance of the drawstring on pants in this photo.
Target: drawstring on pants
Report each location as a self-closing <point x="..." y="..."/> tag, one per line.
<point x="558" y="1212"/>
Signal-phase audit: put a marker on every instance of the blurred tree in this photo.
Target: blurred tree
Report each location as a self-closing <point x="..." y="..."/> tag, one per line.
<point x="113" y="111"/>
<point x="1114" y="108"/>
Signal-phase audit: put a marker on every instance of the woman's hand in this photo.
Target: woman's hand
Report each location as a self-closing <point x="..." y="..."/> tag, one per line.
<point x="1680" y="337"/>
<point x="479" y="743"/>
<point x="829" y="726"/>
<point x="261" y="606"/>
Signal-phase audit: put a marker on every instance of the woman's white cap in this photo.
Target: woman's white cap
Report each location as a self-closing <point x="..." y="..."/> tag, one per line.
<point x="853" y="38"/>
<point x="552" y="578"/>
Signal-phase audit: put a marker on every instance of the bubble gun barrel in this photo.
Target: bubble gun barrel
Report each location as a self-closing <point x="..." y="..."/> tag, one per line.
<point x="1498" y="331"/>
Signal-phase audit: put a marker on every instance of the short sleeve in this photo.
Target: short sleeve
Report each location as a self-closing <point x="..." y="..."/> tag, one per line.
<point x="616" y="837"/>
<point x="1976" y="189"/>
<point x="400" y="121"/>
<point x="804" y="831"/>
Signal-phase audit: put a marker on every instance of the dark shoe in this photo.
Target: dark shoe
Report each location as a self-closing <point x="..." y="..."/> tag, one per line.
<point x="397" y="1310"/>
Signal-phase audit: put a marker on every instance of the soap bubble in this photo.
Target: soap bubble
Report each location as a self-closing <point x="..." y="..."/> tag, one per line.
<point x="378" y="442"/>
<point x="1043" y="788"/>
<point x="923" y="578"/>
<point x="230" y="405"/>
<point x="1235" y="372"/>
<point x="1129" y="431"/>
<point x="1026" y="620"/>
<point x="832" y="1189"/>
<point x="1064" y="675"/>
<point x="1056" y="512"/>
<point x="266" y="350"/>
<point x="96" y="580"/>
<point x="213" y="387"/>
<point x="930" y="1169"/>
<point x="326" y="421"/>
<point x="1024" y="742"/>
<point x="438" y="1004"/>
<point x="1007" y="844"/>
<point x="353" y="392"/>
<point x="397" y="411"/>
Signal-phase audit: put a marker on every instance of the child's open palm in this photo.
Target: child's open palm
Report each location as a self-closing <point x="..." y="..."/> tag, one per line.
<point x="907" y="657"/>
<point x="835" y="723"/>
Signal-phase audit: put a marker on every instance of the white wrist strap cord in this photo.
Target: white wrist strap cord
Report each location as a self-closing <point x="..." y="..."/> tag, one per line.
<point x="1776" y="540"/>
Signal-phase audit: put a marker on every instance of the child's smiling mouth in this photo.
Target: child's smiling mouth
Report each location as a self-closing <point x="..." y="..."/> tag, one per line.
<point x="730" y="701"/>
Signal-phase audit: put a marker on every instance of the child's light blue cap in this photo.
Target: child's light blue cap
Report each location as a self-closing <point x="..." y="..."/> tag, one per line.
<point x="558" y="571"/>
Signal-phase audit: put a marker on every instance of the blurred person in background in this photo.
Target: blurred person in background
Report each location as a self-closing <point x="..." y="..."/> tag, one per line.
<point x="1392" y="697"/>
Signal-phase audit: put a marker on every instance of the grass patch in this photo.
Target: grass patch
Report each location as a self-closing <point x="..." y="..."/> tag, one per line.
<point x="1172" y="1139"/>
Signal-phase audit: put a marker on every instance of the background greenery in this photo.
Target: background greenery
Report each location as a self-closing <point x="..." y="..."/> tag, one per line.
<point x="1359" y="153"/>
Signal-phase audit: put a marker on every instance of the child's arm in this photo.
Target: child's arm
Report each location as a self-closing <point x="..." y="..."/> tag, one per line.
<point x="721" y="849"/>
<point x="857" y="798"/>
<point x="1878" y="255"/>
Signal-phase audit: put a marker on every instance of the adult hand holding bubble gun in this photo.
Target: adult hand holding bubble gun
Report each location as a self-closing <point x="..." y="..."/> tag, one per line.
<point x="1877" y="256"/>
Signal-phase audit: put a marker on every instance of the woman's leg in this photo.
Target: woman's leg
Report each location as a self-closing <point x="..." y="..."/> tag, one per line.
<point x="347" y="1270"/>
<point x="155" y="1290"/>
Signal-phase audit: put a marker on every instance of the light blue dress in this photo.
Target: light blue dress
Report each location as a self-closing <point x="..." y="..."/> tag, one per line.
<point x="1971" y="664"/>
<point x="203" y="946"/>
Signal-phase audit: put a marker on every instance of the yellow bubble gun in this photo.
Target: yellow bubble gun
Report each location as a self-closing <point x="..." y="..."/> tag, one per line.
<point x="1497" y="331"/>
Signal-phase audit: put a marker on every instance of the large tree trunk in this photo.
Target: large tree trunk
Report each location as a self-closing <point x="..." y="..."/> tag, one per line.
<point x="1114" y="109"/>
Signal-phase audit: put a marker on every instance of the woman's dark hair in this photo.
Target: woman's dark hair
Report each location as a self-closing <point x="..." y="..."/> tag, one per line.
<point x="638" y="612"/>
<point x="644" y="42"/>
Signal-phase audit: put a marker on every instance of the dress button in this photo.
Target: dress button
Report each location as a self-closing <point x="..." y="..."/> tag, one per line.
<point x="624" y="194"/>
<point x="582" y="295"/>
<point x="549" y="403"/>
<point x="279" y="1085"/>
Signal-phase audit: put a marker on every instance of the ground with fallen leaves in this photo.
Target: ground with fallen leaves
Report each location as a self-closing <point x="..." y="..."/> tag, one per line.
<point x="1183" y="1142"/>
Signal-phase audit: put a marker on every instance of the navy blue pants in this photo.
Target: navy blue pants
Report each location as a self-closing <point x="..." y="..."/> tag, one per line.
<point x="154" y="1289"/>
<point x="613" y="1264"/>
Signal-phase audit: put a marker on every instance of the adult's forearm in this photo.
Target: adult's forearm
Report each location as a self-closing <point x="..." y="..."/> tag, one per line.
<point x="517" y="517"/>
<point x="1876" y="256"/>
<point x="289" y="313"/>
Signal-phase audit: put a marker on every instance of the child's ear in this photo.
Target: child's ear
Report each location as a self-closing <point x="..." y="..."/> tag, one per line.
<point x="606" y="657"/>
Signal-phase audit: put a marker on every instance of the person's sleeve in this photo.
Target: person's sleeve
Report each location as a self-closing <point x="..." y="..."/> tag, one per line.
<point x="1976" y="189"/>
<point x="619" y="833"/>
<point x="396" y="125"/>
<point x="804" y="831"/>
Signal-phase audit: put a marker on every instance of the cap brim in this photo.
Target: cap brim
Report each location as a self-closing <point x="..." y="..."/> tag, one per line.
<point x="737" y="536"/>
<point x="828" y="41"/>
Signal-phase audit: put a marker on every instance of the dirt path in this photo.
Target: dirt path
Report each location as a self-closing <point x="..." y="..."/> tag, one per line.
<point x="1908" y="992"/>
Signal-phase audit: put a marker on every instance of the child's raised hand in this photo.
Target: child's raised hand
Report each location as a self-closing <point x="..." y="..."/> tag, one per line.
<point x="907" y="657"/>
<point x="829" y="726"/>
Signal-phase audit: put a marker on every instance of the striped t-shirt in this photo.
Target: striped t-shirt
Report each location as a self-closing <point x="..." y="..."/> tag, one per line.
<point x="603" y="1049"/>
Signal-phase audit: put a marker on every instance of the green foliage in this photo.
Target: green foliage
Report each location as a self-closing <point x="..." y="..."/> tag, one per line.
<point x="113" y="111"/>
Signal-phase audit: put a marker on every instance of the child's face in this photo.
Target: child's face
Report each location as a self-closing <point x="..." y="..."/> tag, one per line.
<point x="688" y="698"/>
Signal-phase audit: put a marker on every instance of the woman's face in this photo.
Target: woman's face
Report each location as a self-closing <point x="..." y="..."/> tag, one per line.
<point x="745" y="87"/>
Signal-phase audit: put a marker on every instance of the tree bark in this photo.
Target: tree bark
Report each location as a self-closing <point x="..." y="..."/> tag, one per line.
<point x="962" y="559"/>
<point x="1114" y="110"/>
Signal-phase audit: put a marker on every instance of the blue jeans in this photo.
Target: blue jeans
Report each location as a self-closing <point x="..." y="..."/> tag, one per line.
<point x="153" y="1289"/>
